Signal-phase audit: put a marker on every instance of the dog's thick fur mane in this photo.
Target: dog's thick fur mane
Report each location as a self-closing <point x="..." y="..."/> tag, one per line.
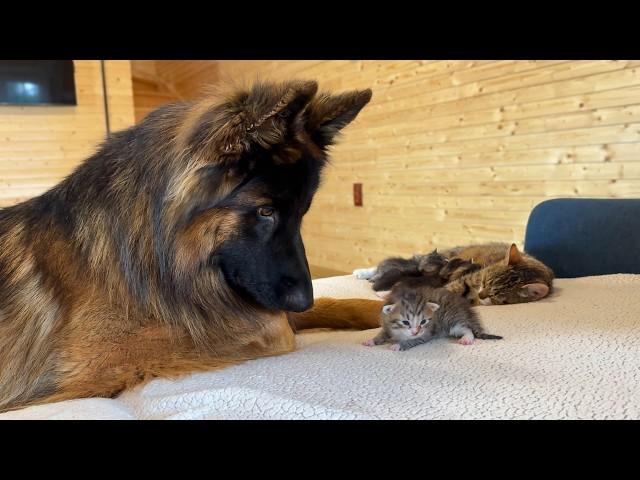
<point x="123" y="244"/>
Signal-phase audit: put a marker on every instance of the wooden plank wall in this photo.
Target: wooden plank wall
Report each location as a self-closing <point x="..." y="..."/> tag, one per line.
<point x="156" y="82"/>
<point x="453" y="152"/>
<point x="449" y="152"/>
<point x="150" y="89"/>
<point x="39" y="145"/>
<point x="188" y="78"/>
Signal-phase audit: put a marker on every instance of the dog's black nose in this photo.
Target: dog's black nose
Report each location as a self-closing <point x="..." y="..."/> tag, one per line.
<point x="298" y="295"/>
<point x="298" y="301"/>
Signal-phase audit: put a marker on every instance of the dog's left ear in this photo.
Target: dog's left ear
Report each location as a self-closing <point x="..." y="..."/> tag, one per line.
<point x="270" y="109"/>
<point x="328" y="114"/>
<point x="261" y="116"/>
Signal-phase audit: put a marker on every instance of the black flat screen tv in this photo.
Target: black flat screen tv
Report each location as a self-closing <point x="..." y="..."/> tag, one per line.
<point x="37" y="82"/>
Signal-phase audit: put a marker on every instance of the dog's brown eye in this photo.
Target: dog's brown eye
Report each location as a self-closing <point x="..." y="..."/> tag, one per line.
<point x="265" y="211"/>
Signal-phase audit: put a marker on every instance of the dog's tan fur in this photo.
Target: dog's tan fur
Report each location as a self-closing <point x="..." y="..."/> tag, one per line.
<point x="101" y="289"/>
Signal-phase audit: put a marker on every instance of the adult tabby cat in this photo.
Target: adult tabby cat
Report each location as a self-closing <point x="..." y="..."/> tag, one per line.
<point x="486" y="274"/>
<point x="507" y="275"/>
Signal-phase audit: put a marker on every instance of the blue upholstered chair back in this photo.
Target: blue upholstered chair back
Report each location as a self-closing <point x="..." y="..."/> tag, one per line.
<point x="581" y="237"/>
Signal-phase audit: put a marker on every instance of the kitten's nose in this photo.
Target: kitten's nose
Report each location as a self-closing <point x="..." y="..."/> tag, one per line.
<point x="414" y="331"/>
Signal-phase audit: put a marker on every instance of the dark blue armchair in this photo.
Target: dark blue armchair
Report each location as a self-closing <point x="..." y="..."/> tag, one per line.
<point x="581" y="237"/>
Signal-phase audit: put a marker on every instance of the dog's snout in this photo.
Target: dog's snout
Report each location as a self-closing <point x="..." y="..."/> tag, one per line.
<point x="298" y="294"/>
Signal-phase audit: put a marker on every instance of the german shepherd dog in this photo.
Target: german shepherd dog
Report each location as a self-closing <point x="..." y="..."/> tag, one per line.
<point x="175" y="248"/>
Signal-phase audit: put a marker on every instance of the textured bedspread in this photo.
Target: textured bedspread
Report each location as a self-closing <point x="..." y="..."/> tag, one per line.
<point x="573" y="355"/>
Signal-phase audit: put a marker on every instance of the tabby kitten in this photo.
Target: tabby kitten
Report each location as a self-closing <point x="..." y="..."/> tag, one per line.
<point x="413" y="316"/>
<point x="508" y="275"/>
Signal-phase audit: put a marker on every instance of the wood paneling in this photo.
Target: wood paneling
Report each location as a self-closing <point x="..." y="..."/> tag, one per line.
<point x="452" y="152"/>
<point x="448" y="152"/>
<point x="149" y="89"/>
<point x="40" y="145"/>
<point x="156" y="82"/>
<point x="188" y="78"/>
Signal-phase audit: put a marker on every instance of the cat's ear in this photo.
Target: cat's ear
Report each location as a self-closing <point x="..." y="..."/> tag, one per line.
<point x="534" y="291"/>
<point x="433" y="306"/>
<point x="513" y="256"/>
<point x="387" y="309"/>
<point x="328" y="114"/>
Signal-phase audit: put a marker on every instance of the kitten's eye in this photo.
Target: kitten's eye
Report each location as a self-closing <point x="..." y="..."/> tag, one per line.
<point x="265" y="211"/>
<point x="405" y="322"/>
<point x="423" y="322"/>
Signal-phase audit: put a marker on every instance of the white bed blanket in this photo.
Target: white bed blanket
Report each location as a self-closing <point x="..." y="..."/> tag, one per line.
<point x="574" y="355"/>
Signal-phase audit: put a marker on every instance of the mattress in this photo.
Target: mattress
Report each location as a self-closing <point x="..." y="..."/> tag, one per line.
<point x="573" y="355"/>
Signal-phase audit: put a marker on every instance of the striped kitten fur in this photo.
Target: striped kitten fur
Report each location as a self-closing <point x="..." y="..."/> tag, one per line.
<point x="507" y="275"/>
<point x="413" y="315"/>
<point x="486" y="274"/>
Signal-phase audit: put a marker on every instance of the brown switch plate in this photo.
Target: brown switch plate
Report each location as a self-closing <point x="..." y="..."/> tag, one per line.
<point x="357" y="194"/>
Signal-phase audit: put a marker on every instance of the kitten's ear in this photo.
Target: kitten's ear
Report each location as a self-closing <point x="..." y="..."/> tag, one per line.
<point x="387" y="309"/>
<point x="433" y="306"/>
<point x="328" y="114"/>
<point x="514" y="256"/>
<point x="535" y="291"/>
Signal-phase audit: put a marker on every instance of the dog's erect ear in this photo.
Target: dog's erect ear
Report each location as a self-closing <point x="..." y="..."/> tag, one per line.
<point x="260" y="116"/>
<point x="328" y="114"/>
<point x="270" y="109"/>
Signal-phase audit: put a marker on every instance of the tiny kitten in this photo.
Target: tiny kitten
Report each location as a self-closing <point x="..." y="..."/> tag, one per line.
<point x="414" y="315"/>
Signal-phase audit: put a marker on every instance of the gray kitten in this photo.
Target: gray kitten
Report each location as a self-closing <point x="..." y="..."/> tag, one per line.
<point x="391" y="270"/>
<point x="414" y="315"/>
<point x="433" y="269"/>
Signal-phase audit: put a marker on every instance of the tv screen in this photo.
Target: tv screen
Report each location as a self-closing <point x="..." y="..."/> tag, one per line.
<point x="37" y="82"/>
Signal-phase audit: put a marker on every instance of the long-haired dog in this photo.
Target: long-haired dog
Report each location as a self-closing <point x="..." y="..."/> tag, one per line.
<point x="175" y="248"/>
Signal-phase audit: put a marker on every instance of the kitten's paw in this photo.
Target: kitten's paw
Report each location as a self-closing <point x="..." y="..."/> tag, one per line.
<point x="364" y="273"/>
<point x="369" y="343"/>
<point x="383" y="294"/>
<point x="466" y="340"/>
<point x="396" y="347"/>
